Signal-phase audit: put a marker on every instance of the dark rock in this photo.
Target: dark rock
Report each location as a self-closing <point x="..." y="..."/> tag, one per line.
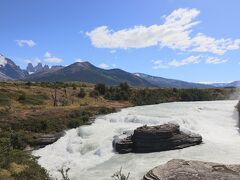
<point x="177" y="169"/>
<point x="57" y="67"/>
<point x="42" y="140"/>
<point x="45" y="67"/>
<point x="30" y="68"/>
<point x="123" y="144"/>
<point x="38" y="67"/>
<point x="147" y="139"/>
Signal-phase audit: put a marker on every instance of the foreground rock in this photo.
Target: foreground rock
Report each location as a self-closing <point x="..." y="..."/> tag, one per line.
<point x="177" y="169"/>
<point x="147" y="139"/>
<point x="42" y="140"/>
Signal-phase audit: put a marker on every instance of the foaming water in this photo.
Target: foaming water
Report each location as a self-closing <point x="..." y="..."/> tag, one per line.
<point x="88" y="152"/>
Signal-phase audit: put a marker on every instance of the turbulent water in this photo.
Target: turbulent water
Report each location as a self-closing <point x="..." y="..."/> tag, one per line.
<point x="87" y="150"/>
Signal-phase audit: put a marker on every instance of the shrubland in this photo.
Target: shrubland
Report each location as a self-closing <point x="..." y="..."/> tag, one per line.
<point x="30" y="110"/>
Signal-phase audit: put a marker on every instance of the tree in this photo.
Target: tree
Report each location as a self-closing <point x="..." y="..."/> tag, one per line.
<point x="124" y="86"/>
<point x="101" y="88"/>
<point x="54" y="97"/>
<point x="94" y="94"/>
<point x="81" y="93"/>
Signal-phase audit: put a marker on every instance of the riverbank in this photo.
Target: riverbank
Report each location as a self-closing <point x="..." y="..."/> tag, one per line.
<point x="29" y="120"/>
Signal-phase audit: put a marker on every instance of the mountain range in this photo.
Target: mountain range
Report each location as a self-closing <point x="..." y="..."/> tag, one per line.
<point x="86" y="72"/>
<point x="40" y="68"/>
<point x="9" y="70"/>
<point x="231" y="84"/>
<point x="170" y="83"/>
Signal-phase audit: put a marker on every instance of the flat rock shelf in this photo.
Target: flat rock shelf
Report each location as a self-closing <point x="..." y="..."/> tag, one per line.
<point x="178" y="169"/>
<point x="148" y="139"/>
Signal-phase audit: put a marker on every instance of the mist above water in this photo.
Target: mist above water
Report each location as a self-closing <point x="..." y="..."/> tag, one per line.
<point x="88" y="152"/>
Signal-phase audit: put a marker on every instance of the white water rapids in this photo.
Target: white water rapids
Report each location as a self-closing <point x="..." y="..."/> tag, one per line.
<point x="88" y="152"/>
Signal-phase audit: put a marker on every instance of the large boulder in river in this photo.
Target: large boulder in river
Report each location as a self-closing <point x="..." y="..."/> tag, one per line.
<point x="147" y="139"/>
<point x="177" y="169"/>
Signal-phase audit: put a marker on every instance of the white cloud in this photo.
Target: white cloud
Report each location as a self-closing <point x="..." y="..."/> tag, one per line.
<point x="54" y="60"/>
<point x="215" y="60"/>
<point x="79" y="60"/>
<point x="3" y="61"/>
<point x="113" y="51"/>
<point x="214" y="82"/>
<point x="174" y="33"/>
<point x="49" y="58"/>
<point x="189" y="60"/>
<point x="34" y="61"/>
<point x="47" y="55"/>
<point x="114" y="65"/>
<point x="29" y="43"/>
<point x="81" y="32"/>
<point x="159" y="64"/>
<point x="203" y="43"/>
<point x="103" y="66"/>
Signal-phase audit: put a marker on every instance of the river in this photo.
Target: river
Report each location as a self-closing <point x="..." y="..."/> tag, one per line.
<point x="88" y="152"/>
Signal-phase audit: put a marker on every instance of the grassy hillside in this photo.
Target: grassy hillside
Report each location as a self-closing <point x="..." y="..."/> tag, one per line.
<point x="31" y="111"/>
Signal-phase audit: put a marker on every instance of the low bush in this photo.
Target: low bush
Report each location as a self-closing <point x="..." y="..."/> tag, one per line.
<point x="74" y="123"/>
<point x="105" y="110"/>
<point x="81" y="93"/>
<point x="4" y="100"/>
<point x="32" y="99"/>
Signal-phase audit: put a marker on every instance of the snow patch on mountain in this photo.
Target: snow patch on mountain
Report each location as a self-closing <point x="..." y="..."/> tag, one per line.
<point x="3" y="60"/>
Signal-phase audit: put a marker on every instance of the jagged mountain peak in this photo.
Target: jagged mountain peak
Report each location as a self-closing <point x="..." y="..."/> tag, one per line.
<point x="10" y="69"/>
<point x="3" y="60"/>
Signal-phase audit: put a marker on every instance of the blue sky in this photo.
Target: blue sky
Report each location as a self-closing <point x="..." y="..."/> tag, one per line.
<point x="191" y="40"/>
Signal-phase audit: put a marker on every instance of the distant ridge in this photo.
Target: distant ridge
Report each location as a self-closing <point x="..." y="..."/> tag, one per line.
<point x="170" y="83"/>
<point x="231" y="84"/>
<point x="86" y="72"/>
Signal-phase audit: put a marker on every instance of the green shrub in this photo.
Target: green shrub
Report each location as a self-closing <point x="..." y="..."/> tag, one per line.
<point x="94" y="94"/>
<point x="18" y="140"/>
<point x="5" y="148"/>
<point x="4" y="100"/>
<point x="74" y="123"/>
<point x="32" y="125"/>
<point x="100" y="88"/>
<point x="78" y="118"/>
<point x="32" y="99"/>
<point x="121" y="92"/>
<point x="81" y="93"/>
<point x="105" y="110"/>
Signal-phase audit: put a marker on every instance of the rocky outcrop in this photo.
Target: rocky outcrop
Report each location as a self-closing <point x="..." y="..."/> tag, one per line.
<point x="147" y="139"/>
<point x="10" y="69"/>
<point x="38" y="68"/>
<point x="177" y="169"/>
<point x="30" y="68"/>
<point x="41" y="140"/>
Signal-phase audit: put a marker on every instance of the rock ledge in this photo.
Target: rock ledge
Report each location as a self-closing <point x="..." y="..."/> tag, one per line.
<point x="147" y="139"/>
<point x="178" y="169"/>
